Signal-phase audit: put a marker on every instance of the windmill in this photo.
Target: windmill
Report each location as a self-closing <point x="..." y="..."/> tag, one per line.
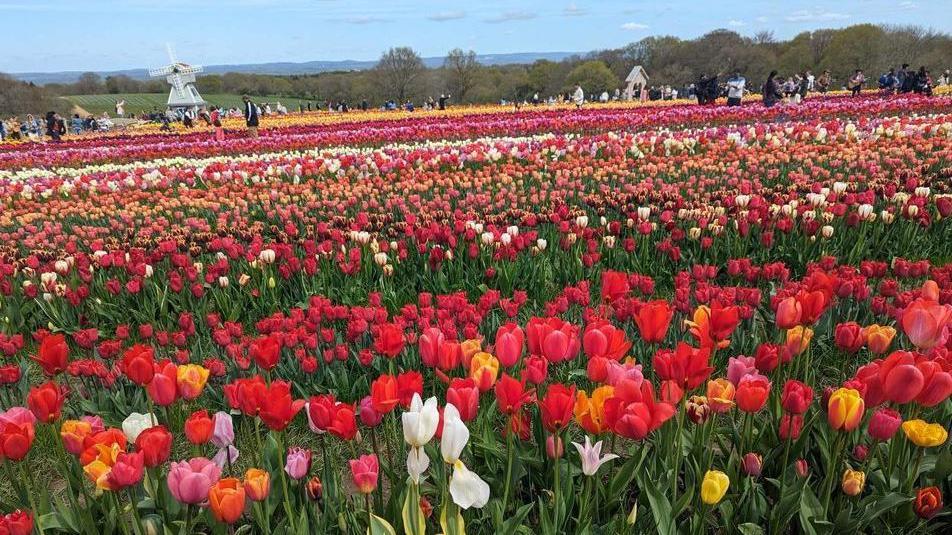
<point x="181" y="76"/>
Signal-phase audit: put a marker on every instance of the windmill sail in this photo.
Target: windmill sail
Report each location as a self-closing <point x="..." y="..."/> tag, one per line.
<point x="181" y="76"/>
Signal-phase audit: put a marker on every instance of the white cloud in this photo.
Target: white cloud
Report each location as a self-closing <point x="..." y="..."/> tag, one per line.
<point x="761" y="19"/>
<point x="806" y="15"/>
<point x="444" y="16"/>
<point x="634" y="26"/>
<point x="573" y="11"/>
<point x="510" y="16"/>
<point x="736" y="23"/>
<point x="365" y="19"/>
<point x="908" y="5"/>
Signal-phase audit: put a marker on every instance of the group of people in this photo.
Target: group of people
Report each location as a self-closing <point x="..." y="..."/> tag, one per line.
<point x="908" y="81"/>
<point x="53" y="126"/>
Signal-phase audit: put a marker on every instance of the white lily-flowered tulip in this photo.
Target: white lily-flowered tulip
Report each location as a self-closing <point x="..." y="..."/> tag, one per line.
<point x="417" y="463"/>
<point x="591" y="456"/>
<point x="466" y="488"/>
<point x="136" y="423"/>
<point x="420" y="422"/>
<point x="455" y="434"/>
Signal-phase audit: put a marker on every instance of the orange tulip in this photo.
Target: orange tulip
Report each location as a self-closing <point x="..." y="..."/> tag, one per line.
<point x="469" y="349"/>
<point x="73" y="433"/>
<point x="798" y="339"/>
<point x="590" y="411"/>
<point x="257" y="484"/>
<point x="226" y="499"/>
<point x="878" y="338"/>
<point x="191" y="379"/>
<point x="720" y="395"/>
<point x="483" y="370"/>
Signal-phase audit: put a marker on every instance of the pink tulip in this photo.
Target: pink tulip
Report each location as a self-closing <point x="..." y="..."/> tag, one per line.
<point x="190" y="480"/>
<point x="298" y="462"/>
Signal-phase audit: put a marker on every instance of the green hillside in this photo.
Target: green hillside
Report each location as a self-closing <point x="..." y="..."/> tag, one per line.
<point x="139" y="102"/>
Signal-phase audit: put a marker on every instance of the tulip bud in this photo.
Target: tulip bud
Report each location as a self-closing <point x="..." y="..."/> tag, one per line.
<point x="803" y="469"/>
<point x="633" y="515"/>
<point x="928" y="502"/>
<point x="314" y="488"/>
<point x="753" y="464"/>
<point x="426" y="507"/>
<point x="271" y="283"/>
<point x="554" y="448"/>
<point x="860" y="451"/>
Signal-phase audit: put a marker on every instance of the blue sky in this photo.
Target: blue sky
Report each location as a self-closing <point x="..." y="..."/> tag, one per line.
<point x="48" y="35"/>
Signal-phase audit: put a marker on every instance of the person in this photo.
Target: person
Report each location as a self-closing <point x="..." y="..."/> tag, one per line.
<point x="811" y="81"/>
<point x="923" y="83"/>
<point x="804" y="87"/>
<point x="771" y="90"/>
<point x="907" y="80"/>
<point x="188" y="118"/>
<point x="578" y="97"/>
<point x="944" y="79"/>
<point x="888" y="81"/>
<point x="215" y="118"/>
<point x="3" y="130"/>
<point x="251" y="117"/>
<point x="735" y="89"/>
<point x="700" y="89"/>
<point x="120" y="108"/>
<point x="54" y="127"/>
<point x="856" y="82"/>
<point x="76" y="124"/>
<point x="441" y="102"/>
<point x="823" y="82"/>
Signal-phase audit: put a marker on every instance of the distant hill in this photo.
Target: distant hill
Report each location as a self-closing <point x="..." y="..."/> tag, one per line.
<point x="287" y="68"/>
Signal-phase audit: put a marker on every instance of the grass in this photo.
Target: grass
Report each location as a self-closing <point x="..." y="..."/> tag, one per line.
<point x="140" y="102"/>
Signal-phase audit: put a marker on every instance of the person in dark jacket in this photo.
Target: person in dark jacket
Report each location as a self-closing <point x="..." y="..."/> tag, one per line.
<point x="907" y="79"/>
<point x="251" y="117"/>
<point x="771" y="90"/>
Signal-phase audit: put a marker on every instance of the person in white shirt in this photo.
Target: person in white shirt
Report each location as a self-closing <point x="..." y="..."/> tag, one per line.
<point x="578" y="97"/>
<point x="735" y="89"/>
<point x="603" y="98"/>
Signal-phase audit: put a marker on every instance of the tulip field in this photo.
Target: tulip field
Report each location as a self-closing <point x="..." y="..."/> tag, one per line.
<point x="619" y="319"/>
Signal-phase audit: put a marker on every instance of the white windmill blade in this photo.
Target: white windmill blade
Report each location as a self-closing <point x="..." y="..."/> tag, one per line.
<point x="168" y="48"/>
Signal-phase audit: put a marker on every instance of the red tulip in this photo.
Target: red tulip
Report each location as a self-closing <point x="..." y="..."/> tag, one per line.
<point x="902" y="380"/>
<point x="634" y="412"/>
<point x="553" y="338"/>
<point x="790" y="426"/>
<point x="769" y="356"/>
<point x="536" y="370"/>
<point x="163" y="388"/>
<point x="52" y="354"/>
<point x="604" y="340"/>
<point x="450" y="356"/>
<point x="278" y="408"/>
<point x="936" y="383"/>
<point x="16" y="440"/>
<point x="409" y="383"/>
<point x="320" y="411"/>
<point x="20" y="522"/>
<point x="127" y="470"/>
<point x="653" y="319"/>
<point x="464" y="395"/>
<point x="849" y="337"/>
<point x="510" y="340"/>
<point x="138" y="363"/>
<point x="614" y="285"/>
<point x="813" y="304"/>
<point x="752" y="392"/>
<point x="46" y="402"/>
<point x="789" y="312"/>
<point x="265" y="351"/>
<point x="928" y="502"/>
<point x="796" y="397"/>
<point x="155" y="443"/>
<point x="383" y="393"/>
<point x="343" y="424"/>
<point x="246" y="394"/>
<point x="389" y="340"/>
<point x="884" y="423"/>
<point x="199" y="427"/>
<point x="557" y="406"/>
<point x="686" y="366"/>
<point x="511" y="394"/>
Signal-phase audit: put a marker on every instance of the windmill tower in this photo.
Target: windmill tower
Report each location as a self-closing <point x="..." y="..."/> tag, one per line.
<point x="181" y="76"/>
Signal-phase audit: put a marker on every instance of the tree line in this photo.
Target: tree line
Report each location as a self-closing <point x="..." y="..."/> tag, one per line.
<point x="401" y="75"/>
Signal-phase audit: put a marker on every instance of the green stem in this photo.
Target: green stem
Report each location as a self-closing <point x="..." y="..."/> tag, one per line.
<point x="29" y="493"/>
<point x="135" y="512"/>
<point x="284" y="486"/>
<point x="883" y="466"/>
<point x="509" y="452"/>
<point x="186" y="530"/>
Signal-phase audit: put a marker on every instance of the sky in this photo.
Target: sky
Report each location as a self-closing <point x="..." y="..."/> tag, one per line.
<point x="102" y="35"/>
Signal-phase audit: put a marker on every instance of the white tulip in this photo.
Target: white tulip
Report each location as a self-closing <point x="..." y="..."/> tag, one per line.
<point x="136" y="423"/>
<point x="417" y="463"/>
<point x="467" y="488"/>
<point x="421" y="421"/>
<point x="455" y="435"/>
<point x="591" y="456"/>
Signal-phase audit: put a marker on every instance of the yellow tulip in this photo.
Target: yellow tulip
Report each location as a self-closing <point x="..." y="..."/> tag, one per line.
<point x="853" y="482"/>
<point x="845" y="409"/>
<point x="925" y="435"/>
<point x="878" y="338"/>
<point x="483" y="370"/>
<point x="714" y="486"/>
<point x="191" y="379"/>
<point x="798" y="339"/>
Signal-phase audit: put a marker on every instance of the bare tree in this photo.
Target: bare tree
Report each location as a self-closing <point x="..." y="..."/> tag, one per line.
<point x="397" y="69"/>
<point x="764" y="38"/>
<point x="461" y="72"/>
<point x="819" y="42"/>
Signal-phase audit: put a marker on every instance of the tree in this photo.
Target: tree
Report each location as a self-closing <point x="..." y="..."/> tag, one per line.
<point x="594" y="77"/>
<point x="89" y="83"/>
<point x="461" y="72"/>
<point x="396" y="71"/>
<point x="18" y="98"/>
